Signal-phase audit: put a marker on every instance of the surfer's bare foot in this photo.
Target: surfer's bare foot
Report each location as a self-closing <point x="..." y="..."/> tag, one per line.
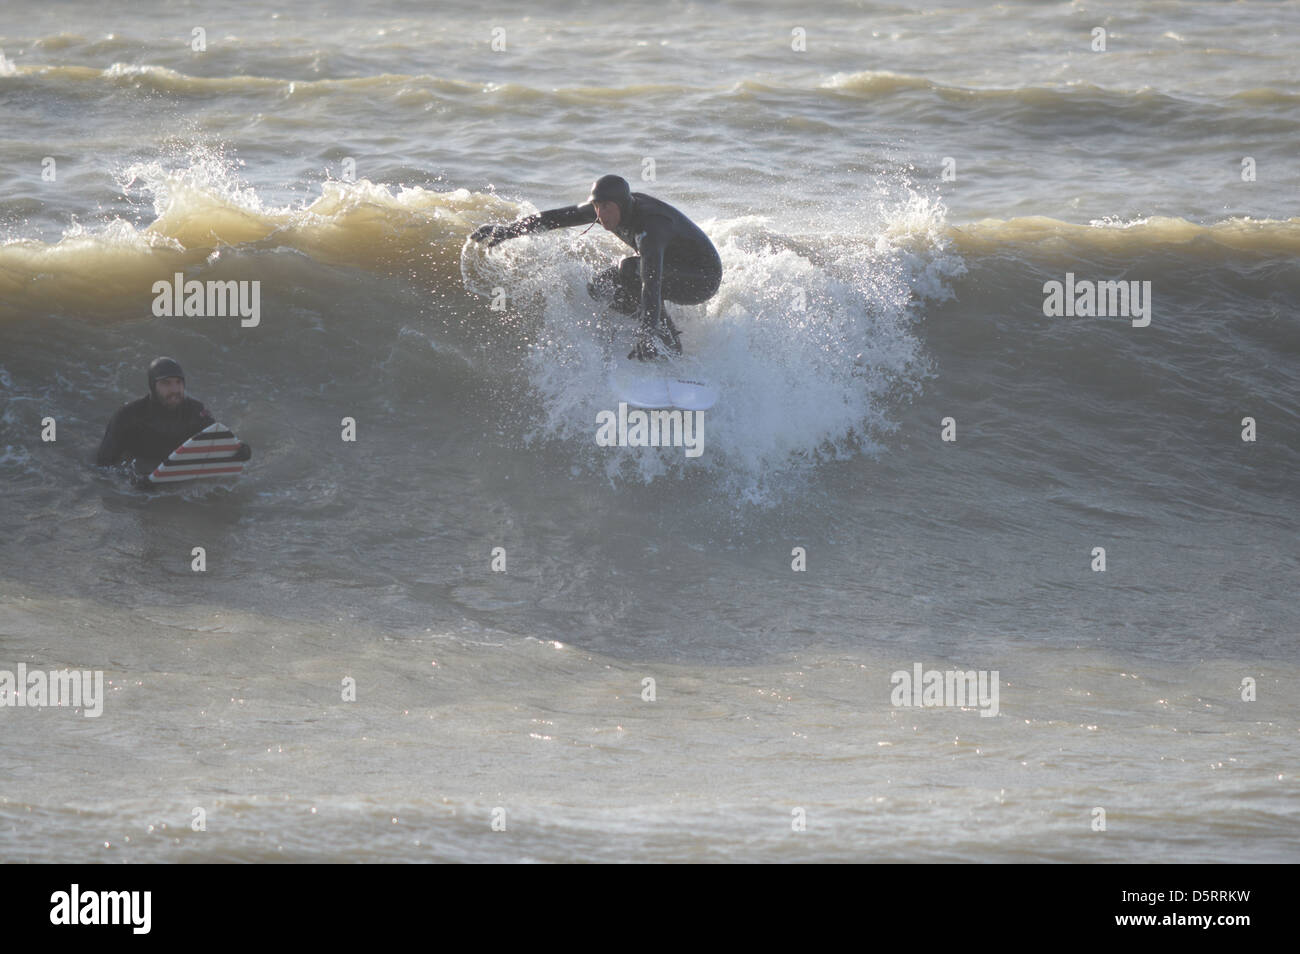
<point x="670" y="336"/>
<point x="652" y="343"/>
<point x="643" y="348"/>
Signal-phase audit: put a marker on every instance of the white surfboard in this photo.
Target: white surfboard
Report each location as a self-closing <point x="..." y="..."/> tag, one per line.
<point x="652" y="384"/>
<point x="209" y="453"/>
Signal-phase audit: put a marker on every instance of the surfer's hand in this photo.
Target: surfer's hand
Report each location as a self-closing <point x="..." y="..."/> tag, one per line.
<point x="493" y="234"/>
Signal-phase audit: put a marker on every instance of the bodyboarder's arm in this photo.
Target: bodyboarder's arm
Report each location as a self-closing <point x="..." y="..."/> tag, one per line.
<point x="113" y="444"/>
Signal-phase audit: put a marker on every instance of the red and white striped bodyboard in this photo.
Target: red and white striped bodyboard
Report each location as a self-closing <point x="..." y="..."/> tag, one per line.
<point x="207" y="454"/>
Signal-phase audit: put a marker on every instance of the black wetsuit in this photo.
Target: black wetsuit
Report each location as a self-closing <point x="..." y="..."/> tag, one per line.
<point x="677" y="262"/>
<point x="148" y="431"/>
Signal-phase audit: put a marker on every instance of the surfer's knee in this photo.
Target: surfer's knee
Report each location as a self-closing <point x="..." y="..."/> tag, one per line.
<point x="605" y="284"/>
<point x="627" y="295"/>
<point x="630" y="269"/>
<point x="691" y="289"/>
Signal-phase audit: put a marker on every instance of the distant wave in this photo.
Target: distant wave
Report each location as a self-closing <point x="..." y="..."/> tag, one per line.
<point x="1267" y="237"/>
<point x="871" y="84"/>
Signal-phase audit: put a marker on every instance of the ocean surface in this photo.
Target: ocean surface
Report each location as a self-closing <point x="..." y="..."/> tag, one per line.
<point x="560" y="651"/>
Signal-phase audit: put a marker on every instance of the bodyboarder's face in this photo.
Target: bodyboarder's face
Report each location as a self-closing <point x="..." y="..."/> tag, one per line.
<point x="170" y="391"/>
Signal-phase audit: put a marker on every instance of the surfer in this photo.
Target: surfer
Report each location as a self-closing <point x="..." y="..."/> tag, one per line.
<point x="150" y="428"/>
<point x="675" y="262"/>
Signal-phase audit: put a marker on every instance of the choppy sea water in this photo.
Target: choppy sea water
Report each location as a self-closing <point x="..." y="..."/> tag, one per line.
<point x="889" y="201"/>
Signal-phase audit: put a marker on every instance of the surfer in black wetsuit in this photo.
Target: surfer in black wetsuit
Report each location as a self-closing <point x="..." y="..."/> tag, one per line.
<point x="676" y="260"/>
<point x="148" y="429"/>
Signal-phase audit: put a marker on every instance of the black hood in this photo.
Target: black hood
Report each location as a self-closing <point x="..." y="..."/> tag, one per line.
<point x="613" y="189"/>
<point x="163" y="368"/>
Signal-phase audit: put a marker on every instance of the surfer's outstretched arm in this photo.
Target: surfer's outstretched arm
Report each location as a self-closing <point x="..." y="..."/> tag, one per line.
<point x="561" y="218"/>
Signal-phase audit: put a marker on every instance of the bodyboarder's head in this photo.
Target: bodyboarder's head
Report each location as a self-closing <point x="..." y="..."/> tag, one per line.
<point x="166" y="382"/>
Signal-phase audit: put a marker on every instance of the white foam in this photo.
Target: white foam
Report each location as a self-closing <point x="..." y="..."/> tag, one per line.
<point x="798" y="387"/>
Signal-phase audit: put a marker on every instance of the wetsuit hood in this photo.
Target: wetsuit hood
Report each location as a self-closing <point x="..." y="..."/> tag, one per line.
<point x="613" y="189"/>
<point x="163" y="368"/>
